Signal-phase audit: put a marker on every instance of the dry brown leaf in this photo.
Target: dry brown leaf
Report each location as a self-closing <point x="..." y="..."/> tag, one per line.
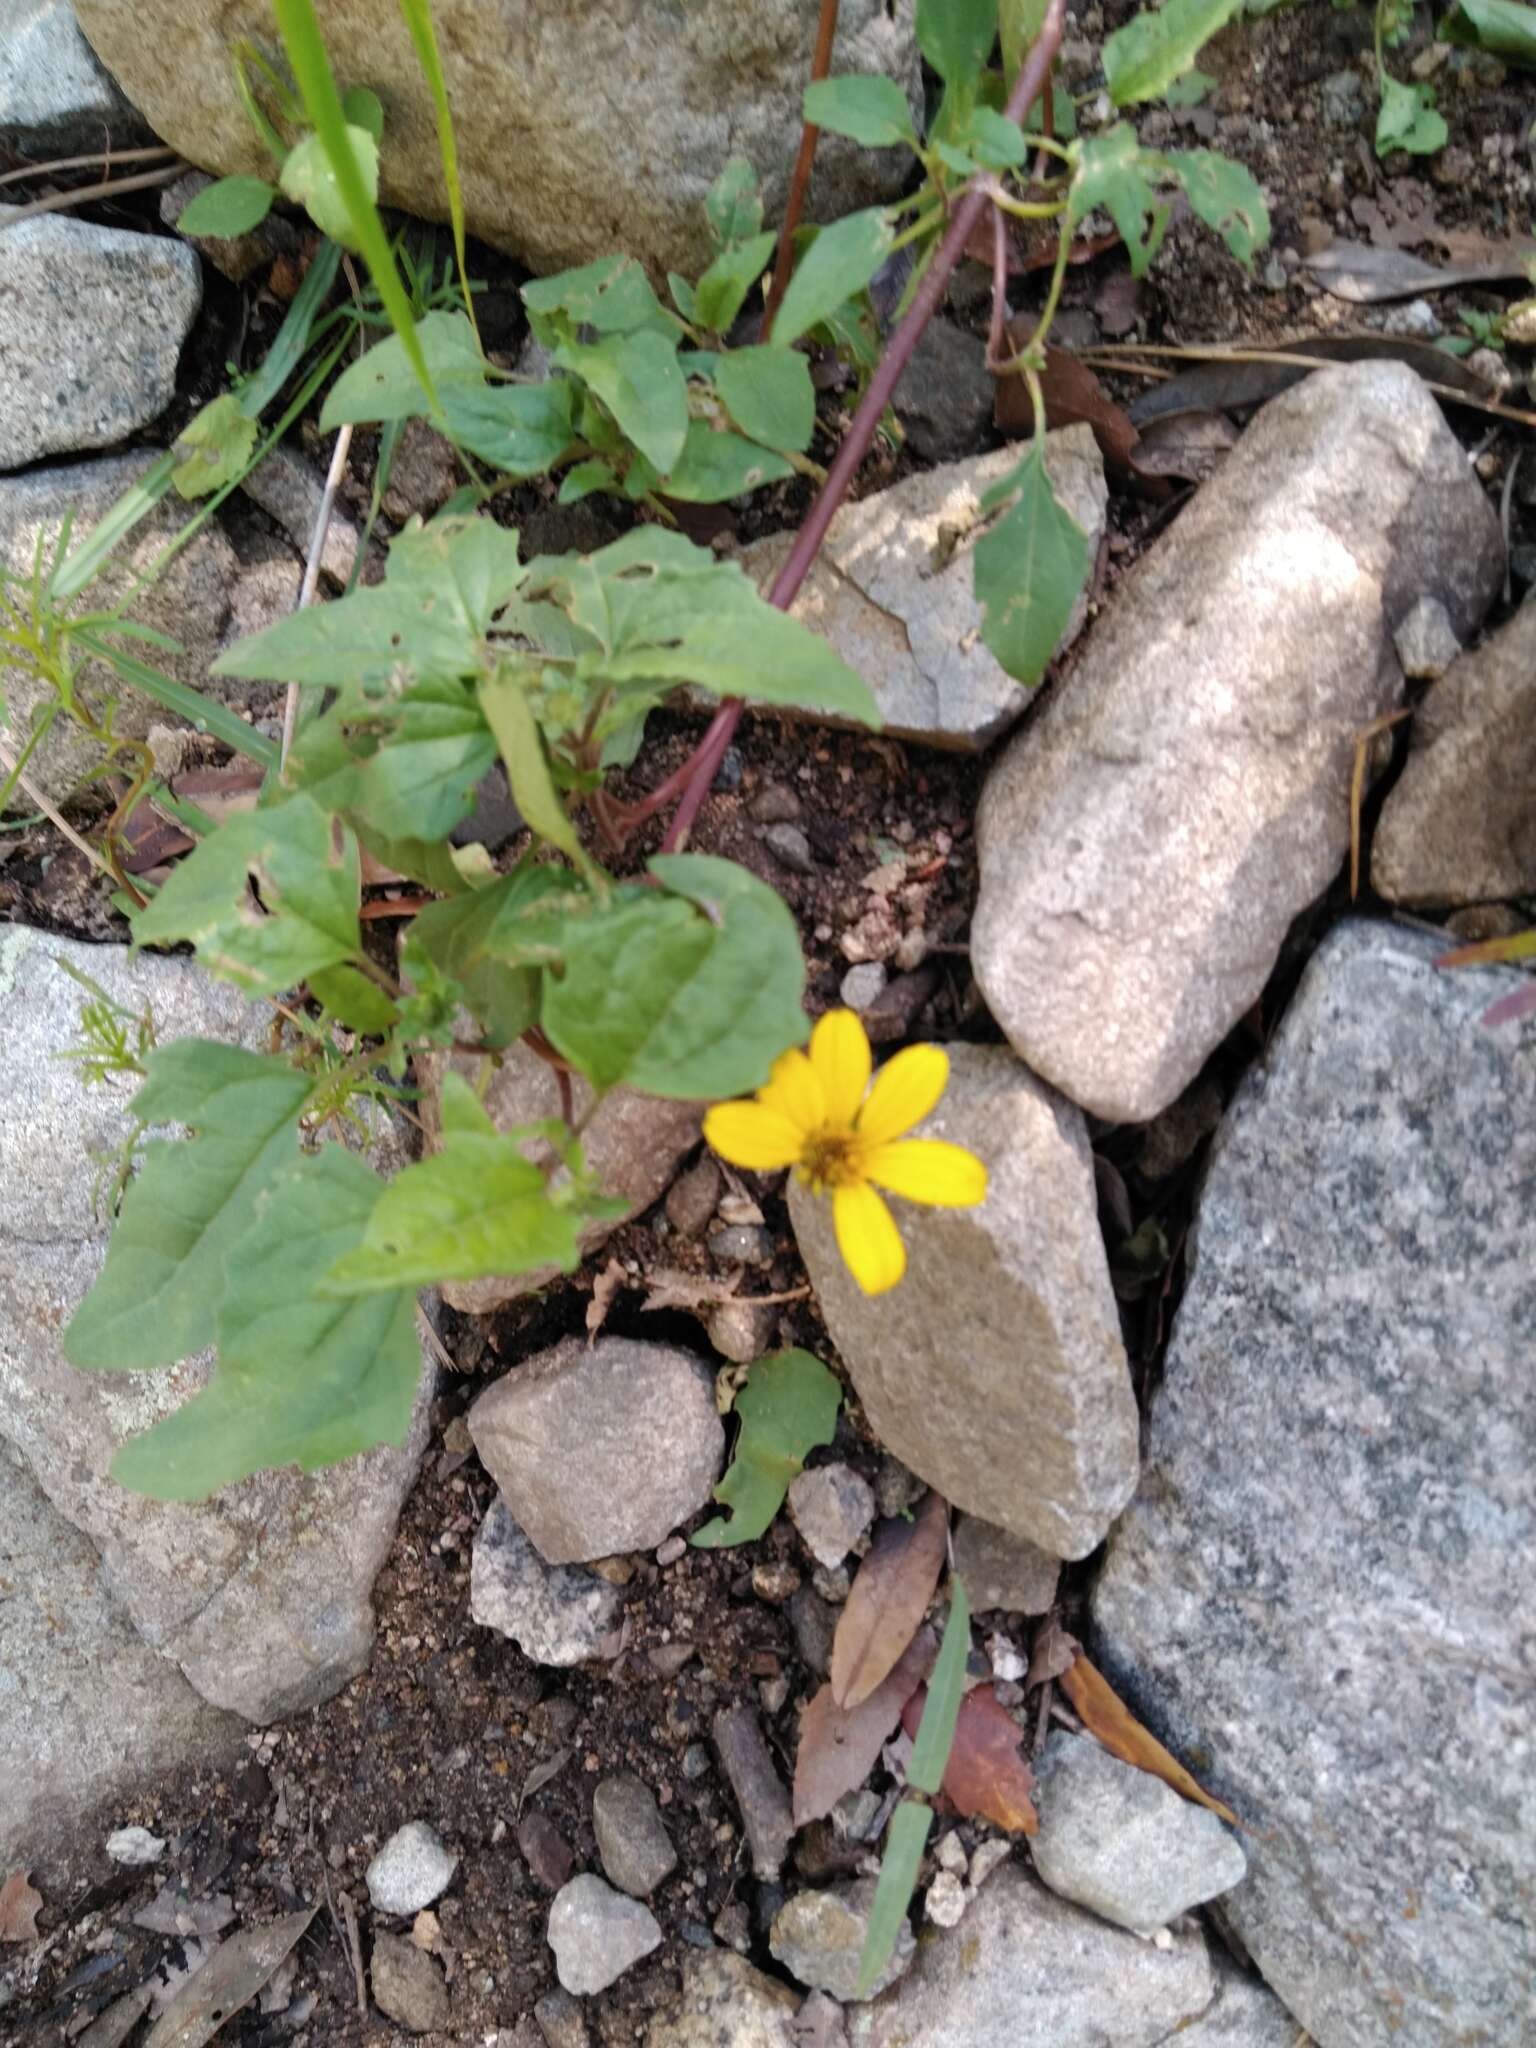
<point x="1192" y="445"/>
<point x="1106" y="1716"/>
<point x="19" y="1908"/>
<point x="672" y="1289"/>
<point x="230" y="1979"/>
<point x="838" y="1748"/>
<point x="889" y="1598"/>
<point x="1072" y="393"/>
<point x="1052" y="1652"/>
<point x="985" y="1776"/>
<point x="604" y="1287"/>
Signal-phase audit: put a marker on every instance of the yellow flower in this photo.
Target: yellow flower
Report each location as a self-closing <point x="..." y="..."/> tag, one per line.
<point x="819" y="1114"/>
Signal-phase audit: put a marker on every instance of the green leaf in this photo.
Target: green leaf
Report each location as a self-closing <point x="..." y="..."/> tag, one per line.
<point x="1191" y="89"/>
<point x="638" y="379"/>
<point x="769" y="394"/>
<point x="583" y="478"/>
<point x="188" y="1205"/>
<point x="214" y="446"/>
<point x="522" y="429"/>
<point x="839" y="262"/>
<point x="360" y="1003"/>
<point x="946" y="1689"/>
<point x="229" y="206"/>
<point x="690" y="994"/>
<point x="412" y="775"/>
<point x="1408" y="119"/>
<point x="956" y="37"/>
<point x="722" y="290"/>
<point x="1112" y="171"/>
<point x="682" y="294"/>
<point x="308" y="179"/>
<point x="491" y="940"/>
<point x="1502" y="27"/>
<point x="267" y="899"/>
<point x="996" y="143"/>
<point x="873" y="111"/>
<point x="1018" y="24"/>
<point x="787" y="1407"/>
<point x="1143" y="59"/>
<point x="905" y="1840"/>
<point x="611" y="296"/>
<point x="733" y="208"/>
<point x="716" y="465"/>
<point x="1028" y="571"/>
<point x="382" y="385"/>
<point x="521" y="744"/>
<point x="363" y="109"/>
<point x="473" y="1209"/>
<point x="1226" y="198"/>
<point x="300" y="1380"/>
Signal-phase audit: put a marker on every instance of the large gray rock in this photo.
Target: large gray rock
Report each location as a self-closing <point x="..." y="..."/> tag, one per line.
<point x="1460" y="823"/>
<point x="996" y="1370"/>
<point x="556" y="1614"/>
<point x="726" y="2003"/>
<point x="1322" y="1591"/>
<point x="1122" y="1843"/>
<point x="91" y="325"/>
<point x="55" y="96"/>
<point x="1146" y="843"/>
<point x="260" y="1594"/>
<point x="892" y="591"/>
<point x="88" y="1712"/>
<point x="600" y="1448"/>
<point x="634" y="1144"/>
<point x="1026" y="1970"/>
<point x="1245" y="2014"/>
<point x="190" y="602"/>
<point x="622" y="118"/>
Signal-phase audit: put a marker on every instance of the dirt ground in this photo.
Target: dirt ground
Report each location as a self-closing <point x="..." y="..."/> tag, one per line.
<point x="450" y="1720"/>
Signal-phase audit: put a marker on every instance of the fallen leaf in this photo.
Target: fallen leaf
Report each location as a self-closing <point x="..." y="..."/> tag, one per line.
<point x="226" y="1983"/>
<point x="672" y="1289"/>
<point x="985" y="1777"/>
<point x="1117" y="303"/>
<point x="19" y="1908"/>
<point x="1106" y="1716"/>
<point x="1192" y="445"/>
<point x="839" y="1747"/>
<point x="605" y="1286"/>
<point x="1236" y="382"/>
<point x="1052" y="1653"/>
<point x="888" y="1600"/>
<point x="1369" y="276"/>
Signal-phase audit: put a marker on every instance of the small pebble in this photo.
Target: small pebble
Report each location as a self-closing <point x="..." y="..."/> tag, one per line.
<point x="831" y="1585"/>
<point x="775" y="1581"/>
<point x="560" y="2021"/>
<point x="862" y="985"/>
<point x="632" y="1840"/>
<point x="832" y="1507"/>
<point x="985" y="1859"/>
<point x="407" y="1985"/>
<point x="695" y="1761"/>
<point x="742" y="1244"/>
<point x="545" y="1850"/>
<point x="670" y="1551"/>
<point x="945" y="1903"/>
<point x="790" y="847"/>
<point x="597" y="1933"/>
<point x="949" y="1854"/>
<point x="692" y="1197"/>
<point x="411" y="1870"/>
<point x="732" y="767"/>
<point x="135" y="1846"/>
<point x="775" y="804"/>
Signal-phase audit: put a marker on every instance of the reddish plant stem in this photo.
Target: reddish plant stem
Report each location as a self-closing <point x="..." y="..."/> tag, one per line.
<point x="1033" y="74"/>
<point x="800" y="178"/>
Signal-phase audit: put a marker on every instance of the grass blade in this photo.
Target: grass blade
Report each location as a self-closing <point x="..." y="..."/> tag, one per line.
<point x="936" y="1731"/>
<point x="207" y="714"/>
<point x="418" y="19"/>
<point x="904" y="1845"/>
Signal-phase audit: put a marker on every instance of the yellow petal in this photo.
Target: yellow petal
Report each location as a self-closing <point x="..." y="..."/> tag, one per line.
<point x="840" y="1055"/>
<point x="868" y="1238"/>
<point x="752" y="1135"/>
<point x="906" y="1089"/>
<point x="794" y="1089"/>
<point x="928" y="1170"/>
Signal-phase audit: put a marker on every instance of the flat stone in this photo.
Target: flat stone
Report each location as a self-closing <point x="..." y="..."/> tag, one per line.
<point x="1145" y="845"/>
<point x="56" y="98"/>
<point x="1246" y="2014"/>
<point x="946" y="394"/>
<point x="619" y="136"/>
<point x="819" y="1937"/>
<point x="411" y="1870"/>
<point x="1459" y="825"/>
<point x="290" y="491"/>
<point x="601" y="1448"/>
<point x="261" y="1594"/>
<point x="632" y="1839"/>
<point x="92" y="320"/>
<point x="89" y="1713"/>
<point x="407" y="1985"/>
<point x="1426" y="642"/>
<point x="1026" y="1970"/>
<point x="556" y="1614"/>
<point x="726" y="2003"/>
<point x="597" y="1933"/>
<point x="1003" y="1570"/>
<point x="891" y="590"/>
<point x="633" y="1143"/>
<point x="1321" y="1594"/>
<point x="545" y="1850"/>
<point x="189" y="603"/>
<point x="996" y="1369"/>
<point x="833" y="1508"/>
<point x="759" y="1790"/>
<point x="1121" y="1842"/>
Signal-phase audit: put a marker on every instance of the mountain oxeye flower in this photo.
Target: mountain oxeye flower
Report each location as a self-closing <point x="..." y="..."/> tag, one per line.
<point x="819" y="1114"/>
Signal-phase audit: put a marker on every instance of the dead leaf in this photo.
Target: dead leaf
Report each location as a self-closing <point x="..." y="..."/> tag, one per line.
<point x="19" y="1908"/>
<point x="1192" y="445"/>
<point x="112" y="2027"/>
<point x="1117" y="303"/>
<point x="226" y="1983"/>
<point x="670" y="1288"/>
<point x="1106" y="1716"/>
<point x="985" y="1777"/>
<point x="840" y="1747"/>
<point x="605" y="1286"/>
<point x="1369" y="276"/>
<point x="888" y="1600"/>
<point x="1052" y="1653"/>
<point x="1072" y="393"/>
<point x="1237" y="382"/>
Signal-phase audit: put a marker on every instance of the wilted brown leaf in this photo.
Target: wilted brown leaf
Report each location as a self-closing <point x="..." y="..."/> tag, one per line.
<point x="1192" y="445"/>
<point x="1052" y="1652"/>
<point x="839" y="1748"/>
<point x="1106" y="1716"/>
<point x="230" y="1979"/>
<point x="672" y="1289"/>
<point x="890" y="1596"/>
<point x="1072" y="393"/>
<point x="985" y="1776"/>
<point x="19" y="1908"/>
<point x="604" y="1287"/>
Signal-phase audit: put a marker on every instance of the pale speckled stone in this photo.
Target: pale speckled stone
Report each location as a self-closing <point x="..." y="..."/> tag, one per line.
<point x="1322" y="1595"/>
<point x="556" y="1614"/>
<point x="1147" y="841"/>
<point x="892" y="591"/>
<point x="726" y="2003"/>
<point x="411" y="1870"/>
<point x="819" y="1937"/>
<point x="597" y="1934"/>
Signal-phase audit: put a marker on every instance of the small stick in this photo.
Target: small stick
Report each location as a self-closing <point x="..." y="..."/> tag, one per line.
<point x="317" y="539"/>
<point x="1506" y="497"/>
<point x="55" y="816"/>
<point x="108" y="189"/>
<point x="29" y="172"/>
<point x="800" y="178"/>
<point x="355" y="1952"/>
